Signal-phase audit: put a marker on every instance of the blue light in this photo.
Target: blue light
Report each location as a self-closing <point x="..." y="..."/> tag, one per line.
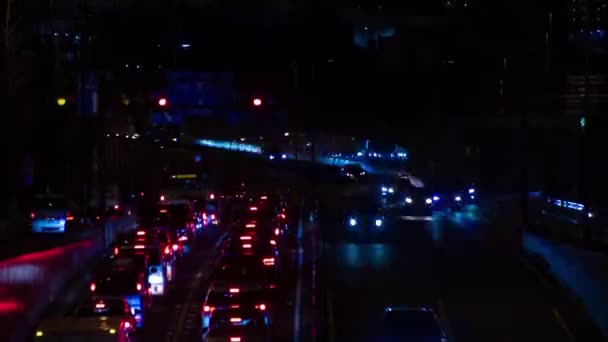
<point x="378" y="222"/>
<point x="359" y="154"/>
<point x="185" y="46"/>
<point x="472" y="197"/>
<point x="471" y="190"/>
<point x="352" y="222"/>
<point x="457" y="199"/>
<point x="391" y="190"/>
<point x="271" y="157"/>
<point x="435" y="198"/>
<point x="575" y="206"/>
<point x="283" y="156"/>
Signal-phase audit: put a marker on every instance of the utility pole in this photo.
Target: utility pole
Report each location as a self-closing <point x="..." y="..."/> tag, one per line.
<point x="580" y="161"/>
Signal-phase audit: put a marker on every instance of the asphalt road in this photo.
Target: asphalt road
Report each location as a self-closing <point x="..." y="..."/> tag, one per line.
<point x="176" y="316"/>
<point x="481" y="293"/>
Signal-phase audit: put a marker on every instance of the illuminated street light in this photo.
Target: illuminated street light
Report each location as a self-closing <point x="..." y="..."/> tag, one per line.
<point x="61" y="101"/>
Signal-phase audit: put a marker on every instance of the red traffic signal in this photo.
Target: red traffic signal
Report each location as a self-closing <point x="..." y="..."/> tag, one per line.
<point x="162" y="102"/>
<point x="257" y="102"/>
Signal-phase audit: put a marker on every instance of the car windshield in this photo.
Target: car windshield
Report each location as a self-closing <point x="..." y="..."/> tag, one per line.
<point x="420" y="326"/>
<point x="50" y="203"/>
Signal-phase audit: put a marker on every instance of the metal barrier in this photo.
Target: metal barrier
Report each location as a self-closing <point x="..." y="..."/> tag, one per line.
<point x="30" y="283"/>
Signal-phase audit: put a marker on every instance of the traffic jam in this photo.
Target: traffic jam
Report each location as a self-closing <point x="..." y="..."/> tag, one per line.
<point x="140" y="266"/>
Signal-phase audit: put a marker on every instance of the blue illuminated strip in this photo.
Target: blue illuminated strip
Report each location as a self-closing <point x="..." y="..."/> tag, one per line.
<point x="229" y="145"/>
<point x="566" y="204"/>
<point x="134" y="302"/>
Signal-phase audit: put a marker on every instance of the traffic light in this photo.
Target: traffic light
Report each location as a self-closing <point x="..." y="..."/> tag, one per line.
<point x="257" y="102"/>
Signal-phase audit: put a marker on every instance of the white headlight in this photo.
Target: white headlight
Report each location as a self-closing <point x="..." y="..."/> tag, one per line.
<point x="391" y="190"/>
<point x="408" y="200"/>
<point x="457" y="199"/>
<point x="352" y="222"/>
<point x="384" y="189"/>
<point x="378" y="222"/>
<point x="428" y="201"/>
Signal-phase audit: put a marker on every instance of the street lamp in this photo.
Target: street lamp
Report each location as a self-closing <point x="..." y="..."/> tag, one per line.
<point x="61" y="101"/>
<point x="257" y="102"/>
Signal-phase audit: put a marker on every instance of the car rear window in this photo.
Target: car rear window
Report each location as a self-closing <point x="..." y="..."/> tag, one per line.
<point x="50" y="203"/>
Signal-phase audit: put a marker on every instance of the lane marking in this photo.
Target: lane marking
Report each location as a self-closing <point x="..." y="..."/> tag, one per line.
<point x="298" y="306"/>
<point x="191" y="289"/>
<point x="330" y="315"/>
<point x="443" y="314"/>
<point x="563" y="325"/>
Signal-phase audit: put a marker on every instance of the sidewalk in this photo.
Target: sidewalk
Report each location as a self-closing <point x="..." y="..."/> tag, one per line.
<point x="584" y="272"/>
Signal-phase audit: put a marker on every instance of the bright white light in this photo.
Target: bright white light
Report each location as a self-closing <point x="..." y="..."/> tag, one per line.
<point x="471" y="191"/>
<point x="408" y="200"/>
<point x="271" y="157"/>
<point x="384" y="189"/>
<point x="378" y="222"/>
<point x="590" y="215"/>
<point x="185" y="45"/>
<point x="391" y="190"/>
<point x="359" y="154"/>
<point x="174" y="139"/>
<point x="352" y="222"/>
<point x="286" y="134"/>
<point x="283" y="156"/>
<point x="435" y="198"/>
<point x="428" y="201"/>
<point x="457" y="198"/>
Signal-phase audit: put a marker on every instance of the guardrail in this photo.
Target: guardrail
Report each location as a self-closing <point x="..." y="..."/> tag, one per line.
<point x="29" y="283"/>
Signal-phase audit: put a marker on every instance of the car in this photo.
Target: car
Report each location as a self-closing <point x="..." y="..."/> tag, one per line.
<point x="179" y="218"/>
<point x="122" y="278"/>
<point x="238" y="325"/>
<point x="364" y="218"/>
<point x="160" y="265"/>
<point x="411" y="324"/>
<point x="353" y="171"/>
<point x="50" y="214"/>
<point x="255" y="232"/>
<point x="417" y="205"/>
<point x="251" y="211"/>
<point x="216" y="301"/>
<point x="102" y="320"/>
<point x="454" y="194"/>
<point x="238" y="273"/>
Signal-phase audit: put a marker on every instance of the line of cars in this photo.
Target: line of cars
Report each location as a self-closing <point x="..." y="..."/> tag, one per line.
<point x="241" y="297"/>
<point x="138" y="266"/>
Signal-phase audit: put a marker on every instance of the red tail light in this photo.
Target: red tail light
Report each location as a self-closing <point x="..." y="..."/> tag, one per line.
<point x="283" y="216"/>
<point x="263" y="197"/>
<point x="261" y="307"/>
<point x="213" y="216"/>
<point x="139" y="287"/>
<point x="235" y="339"/>
<point x="167" y="250"/>
<point x="250" y="225"/>
<point x="163" y="211"/>
<point x="32" y="215"/>
<point x="127" y="325"/>
<point x="100" y="305"/>
<point x="277" y="231"/>
<point x="268" y="261"/>
<point x="211" y="196"/>
<point x="141" y="232"/>
<point x="273" y="242"/>
<point x="246" y="245"/>
<point x="204" y="216"/>
<point x="246" y="237"/>
<point x="235" y="306"/>
<point x="92" y="287"/>
<point x="175" y="247"/>
<point x="208" y="308"/>
<point x="253" y="208"/>
<point x="235" y="320"/>
<point x="234" y="290"/>
<point x="69" y="217"/>
<point x="115" y="250"/>
<point x="139" y="247"/>
<point x="162" y="197"/>
<point x="183" y="238"/>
